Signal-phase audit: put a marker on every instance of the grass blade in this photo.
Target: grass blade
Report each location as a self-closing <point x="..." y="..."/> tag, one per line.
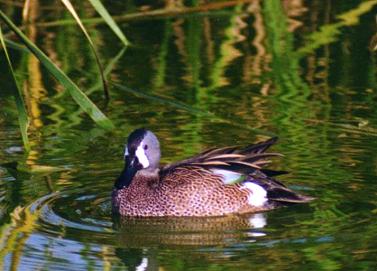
<point x="22" y="113"/>
<point x="108" y="69"/>
<point x="16" y="46"/>
<point x="81" y="99"/>
<point x="70" y="8"/>
<point x="207" y="9"/>
<point x="109" y="20"/>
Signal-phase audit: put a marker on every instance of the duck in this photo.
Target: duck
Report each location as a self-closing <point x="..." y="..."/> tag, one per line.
<point x="223" y="181"/>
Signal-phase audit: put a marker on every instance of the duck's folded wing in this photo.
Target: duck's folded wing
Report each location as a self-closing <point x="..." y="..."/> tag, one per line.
<point x="232" y="161"/>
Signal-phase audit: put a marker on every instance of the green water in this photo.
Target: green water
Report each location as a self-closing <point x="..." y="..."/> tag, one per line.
<point x="225" y="76"/>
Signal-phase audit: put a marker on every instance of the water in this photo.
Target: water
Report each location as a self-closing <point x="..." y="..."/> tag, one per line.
<point x="222" y="77"/>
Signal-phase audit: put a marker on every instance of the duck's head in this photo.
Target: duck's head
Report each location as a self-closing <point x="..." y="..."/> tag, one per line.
<point x="142" y="153"/>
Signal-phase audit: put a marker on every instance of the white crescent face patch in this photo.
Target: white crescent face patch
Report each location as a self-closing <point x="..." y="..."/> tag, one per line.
<point x="140" y="154"/>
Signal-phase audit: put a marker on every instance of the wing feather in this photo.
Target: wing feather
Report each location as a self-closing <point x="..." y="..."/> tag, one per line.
<point x="233" y="158"/>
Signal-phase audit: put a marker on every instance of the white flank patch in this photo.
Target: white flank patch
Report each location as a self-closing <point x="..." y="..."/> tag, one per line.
<point x="126" y="152"/>
<point x="140" y="154"/>
<point x="258" y="195"/>
<point x="228" y="177"/>
<point x="257" y="221"/>
<point x="143" y="265"/>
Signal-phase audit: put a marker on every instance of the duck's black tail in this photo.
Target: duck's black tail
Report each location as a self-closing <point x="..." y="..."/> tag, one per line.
<point x="278" y="192"/>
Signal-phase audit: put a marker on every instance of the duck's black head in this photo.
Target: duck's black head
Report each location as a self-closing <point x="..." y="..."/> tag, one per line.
<point x="142" y="153"/>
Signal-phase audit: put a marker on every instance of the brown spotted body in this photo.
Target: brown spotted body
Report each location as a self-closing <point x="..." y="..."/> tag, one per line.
<point x="186" y="191"/>
<point x="197" y="186"/>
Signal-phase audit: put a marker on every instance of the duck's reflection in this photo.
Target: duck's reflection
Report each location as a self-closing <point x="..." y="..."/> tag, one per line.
<point x="137" y="259"/>
<point x="188" y="231"/>
<point x="140" y="237"/>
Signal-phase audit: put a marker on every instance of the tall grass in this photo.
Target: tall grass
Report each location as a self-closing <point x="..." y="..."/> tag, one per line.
<point x="17" y="93"/>
<point x="76" y="93"/>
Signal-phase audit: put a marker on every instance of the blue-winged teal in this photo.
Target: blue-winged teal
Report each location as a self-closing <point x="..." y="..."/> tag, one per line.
<point x="217" y="182"/>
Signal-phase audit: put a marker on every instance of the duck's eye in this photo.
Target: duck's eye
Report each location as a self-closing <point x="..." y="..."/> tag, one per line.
<point x="145" y="147"/>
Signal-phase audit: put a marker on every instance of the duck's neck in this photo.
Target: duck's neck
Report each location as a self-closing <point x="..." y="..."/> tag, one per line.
<point x="149" y="173"/>
<point x="128" y="176"/>
<point x="124" y="180"/>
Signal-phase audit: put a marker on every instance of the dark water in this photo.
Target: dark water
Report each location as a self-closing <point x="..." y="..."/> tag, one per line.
<point x="224" y="76"/>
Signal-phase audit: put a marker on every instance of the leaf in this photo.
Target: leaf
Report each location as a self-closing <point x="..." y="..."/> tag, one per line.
<point x="107" y="70"/>
<point x="109" y="20"/>
<point x="70" y="8"/>
<point x="16" y="46"/>
<point x="17" y="93"/>
<point x="81" y="99"/>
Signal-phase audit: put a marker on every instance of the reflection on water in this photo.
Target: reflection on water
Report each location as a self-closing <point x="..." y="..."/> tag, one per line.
<point x="228" y="73"/>
<point x="197" y="232"/>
